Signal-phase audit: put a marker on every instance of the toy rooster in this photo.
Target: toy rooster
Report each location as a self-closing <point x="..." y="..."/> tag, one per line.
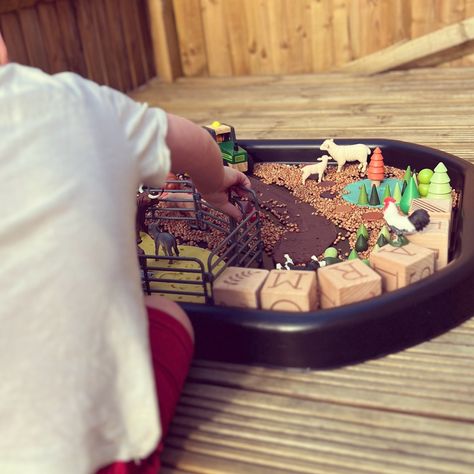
<point x="400" y="224"/>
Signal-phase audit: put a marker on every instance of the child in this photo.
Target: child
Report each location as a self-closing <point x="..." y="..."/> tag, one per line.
<point x="80" y="362"/>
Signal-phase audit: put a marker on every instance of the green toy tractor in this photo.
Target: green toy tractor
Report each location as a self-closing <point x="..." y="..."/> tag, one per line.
<point x="232" y="154"/>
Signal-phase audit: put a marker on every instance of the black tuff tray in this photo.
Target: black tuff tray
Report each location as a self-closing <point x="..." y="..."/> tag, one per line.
<point x="360" y="331"/>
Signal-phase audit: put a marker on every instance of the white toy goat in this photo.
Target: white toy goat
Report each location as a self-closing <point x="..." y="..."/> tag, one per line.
<point x="344" y="153"/>
<point x="318" y="168"/>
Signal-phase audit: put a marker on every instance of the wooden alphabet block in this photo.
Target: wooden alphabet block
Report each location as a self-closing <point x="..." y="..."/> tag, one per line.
<point x="434" y="236"/>
<point x="240" y="287"/>
<point x="290" y="290"/>
<point x="436" y="208"/>
<point x="400" y="266"/>
<point x="347" y="282"/>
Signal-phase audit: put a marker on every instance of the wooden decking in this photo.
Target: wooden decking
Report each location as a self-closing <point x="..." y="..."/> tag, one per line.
<point x="409" y="412"/>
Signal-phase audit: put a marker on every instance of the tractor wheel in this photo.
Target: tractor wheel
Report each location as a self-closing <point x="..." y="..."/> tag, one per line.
<point x="250" y="165"/>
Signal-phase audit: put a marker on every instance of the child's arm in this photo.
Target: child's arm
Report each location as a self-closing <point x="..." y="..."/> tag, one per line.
<point x="195" y="152"/>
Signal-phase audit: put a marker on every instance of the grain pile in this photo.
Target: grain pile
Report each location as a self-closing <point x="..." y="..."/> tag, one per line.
<point x="348" y="217"/>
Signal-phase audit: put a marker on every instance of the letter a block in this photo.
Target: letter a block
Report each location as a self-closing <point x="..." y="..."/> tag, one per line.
<point x="400" y="266"/>
<point x="434" y="236"/>
<point x="347" y="282"/>
<point x="290" y="290"/>
<point x="240" y="287"/>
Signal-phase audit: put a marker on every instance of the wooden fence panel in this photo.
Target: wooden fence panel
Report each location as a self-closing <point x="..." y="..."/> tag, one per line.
<point x="235" y="37"/>
<point x="107" y="41"/>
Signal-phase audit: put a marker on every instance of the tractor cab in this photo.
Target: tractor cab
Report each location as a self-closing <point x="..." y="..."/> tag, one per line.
<point x="232" y="154"/>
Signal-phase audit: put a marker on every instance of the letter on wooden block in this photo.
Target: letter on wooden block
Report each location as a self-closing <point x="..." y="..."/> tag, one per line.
<point x="434" y="236"/>
<point x="347" y="282"/>
<point x="240" y="287"/>
<point x="436" y="208"/>
<point x="290" y="290"/>
<point x="400" y="266"/>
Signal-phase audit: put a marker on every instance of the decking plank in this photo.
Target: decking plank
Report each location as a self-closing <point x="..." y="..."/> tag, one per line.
<point x="411" y="411"/>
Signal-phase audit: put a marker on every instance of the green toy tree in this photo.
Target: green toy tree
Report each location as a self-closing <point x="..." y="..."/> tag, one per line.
<point x="411" y="192"/>
<point x="381" y="241"/>
<point x="439" y="183"/>
<point x="374" y="197"/>
<point x="385" y="232"/>
<point x="361" y="244"/>
<point x="404" y="186"/>
<point x="397" y="192"/>
<point x="363" y="199"/>
<point x="407" y="175"/>
<point x="353" y="255"/>
<point x="386" y="193"/>
<point x="362" y="230"/>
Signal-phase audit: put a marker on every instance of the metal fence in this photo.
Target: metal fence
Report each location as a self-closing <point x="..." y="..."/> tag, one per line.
<point x="240" y="243"/>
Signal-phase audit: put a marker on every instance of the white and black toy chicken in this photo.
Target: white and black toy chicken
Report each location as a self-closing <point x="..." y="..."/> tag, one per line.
<point x="400" y="224"/>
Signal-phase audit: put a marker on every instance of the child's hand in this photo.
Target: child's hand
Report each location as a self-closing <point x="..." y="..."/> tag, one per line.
<point x="220" y="198"/>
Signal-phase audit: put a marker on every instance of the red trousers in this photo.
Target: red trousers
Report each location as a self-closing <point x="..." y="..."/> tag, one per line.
<point x="172" y="350"/>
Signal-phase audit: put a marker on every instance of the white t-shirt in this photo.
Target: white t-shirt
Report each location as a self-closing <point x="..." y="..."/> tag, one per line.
<point x="76" y="383"/>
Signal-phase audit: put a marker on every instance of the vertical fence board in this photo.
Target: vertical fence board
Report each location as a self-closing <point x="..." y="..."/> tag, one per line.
<point x="192" y="43"/>
<point x="118" y="49"/>
<point x="51" y="33"/>
<point x="132" y="29"/>
<point x="468" y="60"/>
<point x="144" y="31"/>
<point x="216" y="37"/>
<point x="259" y="36"/>
<point x="401" y="12"/>
<point x="133" y="53"/>
<point x="164" y="39"/>
<point x="70" y="37"/>
<point x="451" y="12"/>
<point x="238" y="37"/>
<point x="322" y="44"/>
<point x="13" y="36"/>
<point x="291" y="45"/>
<point x="91" y="46"/>
<point x="33" y="38"/>
<point x="104" y="38"/>
<point x="342" y="46"/>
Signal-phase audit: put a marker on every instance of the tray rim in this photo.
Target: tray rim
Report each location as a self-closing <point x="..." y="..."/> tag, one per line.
<point x="367" y="312"/>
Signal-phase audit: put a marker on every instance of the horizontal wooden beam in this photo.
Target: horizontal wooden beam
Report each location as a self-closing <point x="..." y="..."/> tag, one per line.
<point x="433" y="48"/>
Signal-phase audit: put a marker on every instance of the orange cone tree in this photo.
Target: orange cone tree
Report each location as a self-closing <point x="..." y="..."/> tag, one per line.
<point x="376" y="169"/>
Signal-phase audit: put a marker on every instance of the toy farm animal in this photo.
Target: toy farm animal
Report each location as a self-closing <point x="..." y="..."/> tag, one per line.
<point x="163" y="239"/>
<point x="312" y="265"/>
<point x="318" y="168"/>
<point x="400" y="224"/>
<point x="344" y="153"/>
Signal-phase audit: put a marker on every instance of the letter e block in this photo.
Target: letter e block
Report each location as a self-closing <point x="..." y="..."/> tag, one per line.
<point x="400" y="266"/>
<point x="240" y="287"/>
<point x="347" y="282"/>
<point x="290" y="290"/>
<point x="434" y="236"/>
